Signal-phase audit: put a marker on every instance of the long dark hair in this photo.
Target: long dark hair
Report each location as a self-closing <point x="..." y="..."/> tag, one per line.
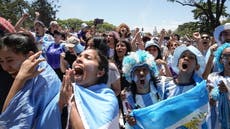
<point x="100" y="44"/>
<point x="128" y="46"/>
<point x="103" y="65"/>
<point x="19" y="43"/>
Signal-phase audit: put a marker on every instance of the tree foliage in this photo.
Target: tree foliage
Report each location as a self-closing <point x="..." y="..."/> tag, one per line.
<point x="14" y="9"/>
<point x="187" y="29"/>
<point x="76" y="24"/>
<point x="208" y="12"/>
<point x="46" y="9"/>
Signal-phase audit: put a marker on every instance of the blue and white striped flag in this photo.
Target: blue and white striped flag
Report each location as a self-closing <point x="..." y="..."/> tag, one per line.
<point x="97" y="106"/>
<point x="187" y="110"/>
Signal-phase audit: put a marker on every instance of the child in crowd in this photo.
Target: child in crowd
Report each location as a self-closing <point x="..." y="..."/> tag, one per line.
<point x="219" y="85"/>
<point x="140" y="70"/>
<point x="189" y="64"/>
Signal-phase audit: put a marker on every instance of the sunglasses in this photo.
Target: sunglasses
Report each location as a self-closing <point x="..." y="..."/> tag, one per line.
<point x="205" y="37"/>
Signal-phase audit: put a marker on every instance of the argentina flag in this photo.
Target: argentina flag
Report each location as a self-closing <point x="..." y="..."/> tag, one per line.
<point x="97" y="105"/>
<point x="185" y="111"/>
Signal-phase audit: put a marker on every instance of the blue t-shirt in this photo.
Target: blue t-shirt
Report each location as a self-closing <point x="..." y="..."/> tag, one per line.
<point x="53" y="55"/>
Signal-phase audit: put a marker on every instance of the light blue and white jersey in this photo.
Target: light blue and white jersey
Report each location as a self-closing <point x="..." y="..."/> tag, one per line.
<point x="219" y="114"/>
<point x="43" y="42"/>
<point x="142" y="100"/>
<point x="170" y="88"/>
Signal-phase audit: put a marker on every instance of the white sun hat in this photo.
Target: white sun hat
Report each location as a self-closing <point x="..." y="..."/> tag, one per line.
<point x="200" y="58"/>
<point x="218" y="31"/>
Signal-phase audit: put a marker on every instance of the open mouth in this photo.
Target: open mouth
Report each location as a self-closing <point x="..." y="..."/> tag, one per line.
<point x="119" y="51"/>
<point x="184" y="66"/>
<point x="205" y="43"/>
<point x="142" y="81"/>
<point x="78" y="71"/>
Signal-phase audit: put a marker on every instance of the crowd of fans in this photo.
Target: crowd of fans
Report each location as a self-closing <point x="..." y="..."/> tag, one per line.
<point x="46" y="73"/>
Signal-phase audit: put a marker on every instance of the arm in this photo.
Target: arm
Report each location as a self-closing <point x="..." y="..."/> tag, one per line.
<point x="65" y="99"/>
<point x="197" y="38"/>
<point x="28" y="70"/>
<point x="75" y="118"/>
<point x="63" y="63"/>
<point x="37" y="14"/>
<point x="20" y="21"/>
<point x="133" y="42"/>
<point x="167" y="71"/>
<point x="209" y="64"/>
<point x="116" y="86"/>
<point x="163" y="33"/>
<point x="137" y="42"/>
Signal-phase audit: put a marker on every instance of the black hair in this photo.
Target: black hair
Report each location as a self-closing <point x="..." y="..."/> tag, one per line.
<point x="103" y="65"/>
<point x="178" y="36"/>
<point x="159" y="56"/>
<point x="100" y="44"/>
<point x="19" y="42"/>
<point x="128" y="46"/>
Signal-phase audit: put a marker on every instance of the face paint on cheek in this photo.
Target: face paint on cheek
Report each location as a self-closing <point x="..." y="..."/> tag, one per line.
<point x="222" y="38"/>
<point x="135" y="79"/>
<point x="147" y="79"/>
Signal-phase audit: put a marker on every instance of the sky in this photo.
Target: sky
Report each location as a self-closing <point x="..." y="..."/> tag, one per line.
<point x="147" y="14"/>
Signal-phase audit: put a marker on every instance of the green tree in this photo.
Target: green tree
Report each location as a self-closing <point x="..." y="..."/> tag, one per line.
<point x="208" y="12"/>
<point x="46" y="9"/>
<point x="76" y="24"/>
<point x="13" y="10"/>
<point x="187" y="29"/>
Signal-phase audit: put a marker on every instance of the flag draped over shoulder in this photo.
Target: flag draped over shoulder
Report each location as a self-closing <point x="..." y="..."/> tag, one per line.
<point x="28" y="104"/>
<point x="187" y="110"/>
<point x="97" y="106"/>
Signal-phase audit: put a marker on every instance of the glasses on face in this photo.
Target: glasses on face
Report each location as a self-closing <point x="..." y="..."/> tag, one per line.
<point x="205" y="37"/>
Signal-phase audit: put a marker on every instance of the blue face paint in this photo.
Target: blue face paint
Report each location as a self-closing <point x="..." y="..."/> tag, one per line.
<point x="147" y="79"/>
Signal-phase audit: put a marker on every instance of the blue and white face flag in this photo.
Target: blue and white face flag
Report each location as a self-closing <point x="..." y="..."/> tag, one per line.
<point x="187" y="110"/>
